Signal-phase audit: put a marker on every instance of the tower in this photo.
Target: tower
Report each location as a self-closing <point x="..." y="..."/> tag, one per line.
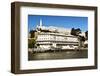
<point x="40" y="23"/>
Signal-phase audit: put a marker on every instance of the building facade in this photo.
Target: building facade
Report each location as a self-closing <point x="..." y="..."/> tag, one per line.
<point x="54" y="37"/>
<point x="48" y="40"/>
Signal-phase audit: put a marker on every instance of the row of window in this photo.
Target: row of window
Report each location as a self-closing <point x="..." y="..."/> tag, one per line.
<point x="56" y="42"/>
<point x="56" y="38"/>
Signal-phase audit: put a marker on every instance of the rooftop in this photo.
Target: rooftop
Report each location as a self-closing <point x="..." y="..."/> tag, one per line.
<point x="41" y="27"/>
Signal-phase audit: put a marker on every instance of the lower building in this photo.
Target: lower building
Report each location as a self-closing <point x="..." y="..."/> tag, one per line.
<point x="49" y="40"/>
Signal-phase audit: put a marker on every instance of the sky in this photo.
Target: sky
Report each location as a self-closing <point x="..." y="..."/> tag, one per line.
<point x="58" y="21"/>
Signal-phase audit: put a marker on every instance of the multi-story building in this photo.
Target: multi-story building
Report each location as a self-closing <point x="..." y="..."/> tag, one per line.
<point x="47" y="40"/>
<point x="54" y="37"/>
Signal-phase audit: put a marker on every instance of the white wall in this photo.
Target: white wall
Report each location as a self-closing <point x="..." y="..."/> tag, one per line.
<point x="5" y="33"/>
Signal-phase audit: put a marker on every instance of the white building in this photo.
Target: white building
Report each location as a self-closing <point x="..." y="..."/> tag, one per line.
<point x="54" y="37"/>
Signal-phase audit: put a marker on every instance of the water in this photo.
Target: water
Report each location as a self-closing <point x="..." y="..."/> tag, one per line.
<point x="58" y="55"/>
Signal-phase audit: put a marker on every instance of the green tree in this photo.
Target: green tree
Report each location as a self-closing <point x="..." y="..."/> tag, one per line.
<point x="86" y="35"/>
<point x="32" y="32"/>
<point x="31" y="43"/>
<point x="82" y="38"/>
<point x="75" y="32"/>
